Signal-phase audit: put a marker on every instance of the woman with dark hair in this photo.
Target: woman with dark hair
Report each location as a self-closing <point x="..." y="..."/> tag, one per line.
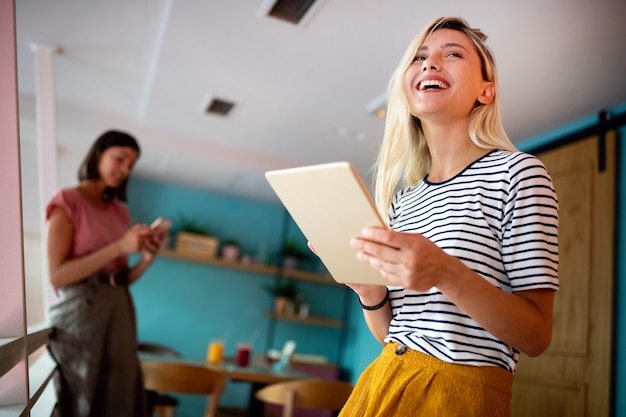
<point x="89" y="168"/>
<point x="89" y="239"/>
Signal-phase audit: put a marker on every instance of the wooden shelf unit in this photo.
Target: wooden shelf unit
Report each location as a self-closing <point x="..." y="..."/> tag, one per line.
<point x="315" y="320"/>
<point x="257" y="268"/>
<point x="266" y="270"/>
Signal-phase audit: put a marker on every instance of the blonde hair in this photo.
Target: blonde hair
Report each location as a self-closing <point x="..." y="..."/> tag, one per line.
<point x="404" y="157"/>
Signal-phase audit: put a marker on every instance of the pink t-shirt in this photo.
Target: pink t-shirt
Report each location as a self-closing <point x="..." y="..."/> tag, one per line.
<point x="94" y="227"/>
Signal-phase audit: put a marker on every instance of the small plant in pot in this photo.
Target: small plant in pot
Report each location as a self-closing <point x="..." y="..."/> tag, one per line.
<point x="291" y="255"/>
<point x="284" y="292"/>
<point x="188" y="225"/>
<point x="230" y="250"/>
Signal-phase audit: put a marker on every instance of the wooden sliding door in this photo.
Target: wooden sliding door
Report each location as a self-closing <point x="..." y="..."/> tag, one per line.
<point x="572" y="378"/>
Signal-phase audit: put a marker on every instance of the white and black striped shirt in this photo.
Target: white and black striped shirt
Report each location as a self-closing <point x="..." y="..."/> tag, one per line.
<point x="500" y="217"/>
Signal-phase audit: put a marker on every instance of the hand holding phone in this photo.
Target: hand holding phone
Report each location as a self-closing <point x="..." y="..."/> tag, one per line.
<point x="161" y="224"/>
<point x="160" y="230"/>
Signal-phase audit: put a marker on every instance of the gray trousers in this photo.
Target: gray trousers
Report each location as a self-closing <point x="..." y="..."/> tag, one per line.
<point x="94" y="343"/>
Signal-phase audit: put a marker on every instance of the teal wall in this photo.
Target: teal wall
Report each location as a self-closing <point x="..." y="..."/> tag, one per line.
<point x="361" y="347"/>
<point x="185" y="304"/>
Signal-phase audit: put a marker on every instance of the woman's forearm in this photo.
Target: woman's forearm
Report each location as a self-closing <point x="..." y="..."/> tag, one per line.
<point x="522" y="320"/>
<point x="75" y="270"/>
<point x="377" y="318"/>
<point x="378" y="322"/>
<point x="138" y="269"/>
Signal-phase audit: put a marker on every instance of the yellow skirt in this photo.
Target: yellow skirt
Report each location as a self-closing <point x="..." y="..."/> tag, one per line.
<point x="416" y="384"/>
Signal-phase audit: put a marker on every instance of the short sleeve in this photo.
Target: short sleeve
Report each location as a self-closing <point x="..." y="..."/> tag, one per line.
<point x="66" y="199"/>
<point x="94" y="227"/>
<point x="530" y="240"/>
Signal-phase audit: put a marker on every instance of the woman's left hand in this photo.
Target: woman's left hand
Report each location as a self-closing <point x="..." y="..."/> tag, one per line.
<point x="408" y="260"/>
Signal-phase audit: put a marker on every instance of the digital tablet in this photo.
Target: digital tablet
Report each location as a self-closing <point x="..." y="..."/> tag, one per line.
<point x="331" y="205"/>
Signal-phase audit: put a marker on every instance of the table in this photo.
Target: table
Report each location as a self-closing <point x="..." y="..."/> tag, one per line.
<point x="259" y="373"/>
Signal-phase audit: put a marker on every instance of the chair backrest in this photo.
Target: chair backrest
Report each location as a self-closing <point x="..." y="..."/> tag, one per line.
<point x="158" y="349"/>
<point x="310" y="393"/>
<point x="185" y="379"/>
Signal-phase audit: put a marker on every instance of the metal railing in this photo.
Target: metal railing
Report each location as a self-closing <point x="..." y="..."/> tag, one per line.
<point x="16" y="354"/>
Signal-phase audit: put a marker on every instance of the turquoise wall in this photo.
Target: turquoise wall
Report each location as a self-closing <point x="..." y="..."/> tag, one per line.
<point x="184" y="304"/>
<point x="361" y="347"/>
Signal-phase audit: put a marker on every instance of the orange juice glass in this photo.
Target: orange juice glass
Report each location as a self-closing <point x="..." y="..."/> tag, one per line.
<point x="215" y="352"/>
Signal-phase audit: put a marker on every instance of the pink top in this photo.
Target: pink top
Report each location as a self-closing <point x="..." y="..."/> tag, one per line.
<point x="94" y="227"/>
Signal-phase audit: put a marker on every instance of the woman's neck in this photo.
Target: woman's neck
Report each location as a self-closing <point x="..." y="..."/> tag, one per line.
<point x="451" y="149"/>
<point x="93" y="190"/>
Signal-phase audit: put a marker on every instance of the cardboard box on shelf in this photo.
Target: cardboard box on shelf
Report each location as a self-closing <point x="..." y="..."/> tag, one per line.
<point x="196" y="245"/>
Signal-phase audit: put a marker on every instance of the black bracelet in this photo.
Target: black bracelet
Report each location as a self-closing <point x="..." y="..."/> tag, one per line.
<point x="377" y="306"/>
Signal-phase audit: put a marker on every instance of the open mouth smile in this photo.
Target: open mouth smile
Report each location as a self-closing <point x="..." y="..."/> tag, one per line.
<point x="432" y="85"/>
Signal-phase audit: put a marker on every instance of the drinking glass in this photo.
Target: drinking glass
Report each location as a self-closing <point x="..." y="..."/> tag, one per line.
<point x="215" y="352"/>
<point x="243" y="354"/>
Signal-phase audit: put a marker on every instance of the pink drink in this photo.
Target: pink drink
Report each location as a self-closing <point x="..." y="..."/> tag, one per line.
<point x="243" y="354"/>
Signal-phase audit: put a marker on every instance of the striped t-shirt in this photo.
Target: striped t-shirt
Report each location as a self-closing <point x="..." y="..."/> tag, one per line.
<point x="500" y="217"/>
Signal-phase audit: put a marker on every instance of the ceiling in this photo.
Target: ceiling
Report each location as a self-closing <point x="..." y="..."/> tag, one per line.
<point x="303" y="93"/>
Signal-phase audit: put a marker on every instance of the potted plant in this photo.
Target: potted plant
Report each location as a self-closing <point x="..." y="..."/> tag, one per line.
<point x="230" y="250"/>
<point x="191" y="226"/>
<point x="284" y="292"/>
<point x="291" y="255"/>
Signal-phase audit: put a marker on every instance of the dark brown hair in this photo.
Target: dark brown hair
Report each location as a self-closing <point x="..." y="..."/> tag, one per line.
<point x="89" y="168"/>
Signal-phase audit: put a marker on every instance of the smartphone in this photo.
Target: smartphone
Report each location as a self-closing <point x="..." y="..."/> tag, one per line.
<point x="160" y="227"/>
<point x="161" y="224"/>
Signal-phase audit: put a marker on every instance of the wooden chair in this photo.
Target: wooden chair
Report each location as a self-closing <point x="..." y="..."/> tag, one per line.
<point x="311" y="393"/>
<point x="185" y="379"/>
<point x="160" y="404"/>
<point x="150" y="347"/>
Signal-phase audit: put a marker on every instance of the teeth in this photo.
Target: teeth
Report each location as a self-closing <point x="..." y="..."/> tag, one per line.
<point x="432" y="84"/>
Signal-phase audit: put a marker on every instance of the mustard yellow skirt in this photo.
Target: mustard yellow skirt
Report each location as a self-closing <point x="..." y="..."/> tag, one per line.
<point x="416" y="384"/>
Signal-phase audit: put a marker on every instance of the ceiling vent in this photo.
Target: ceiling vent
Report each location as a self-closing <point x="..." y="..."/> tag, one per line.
<point x="290" y="10"/>
<point x="219" y="107"/>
